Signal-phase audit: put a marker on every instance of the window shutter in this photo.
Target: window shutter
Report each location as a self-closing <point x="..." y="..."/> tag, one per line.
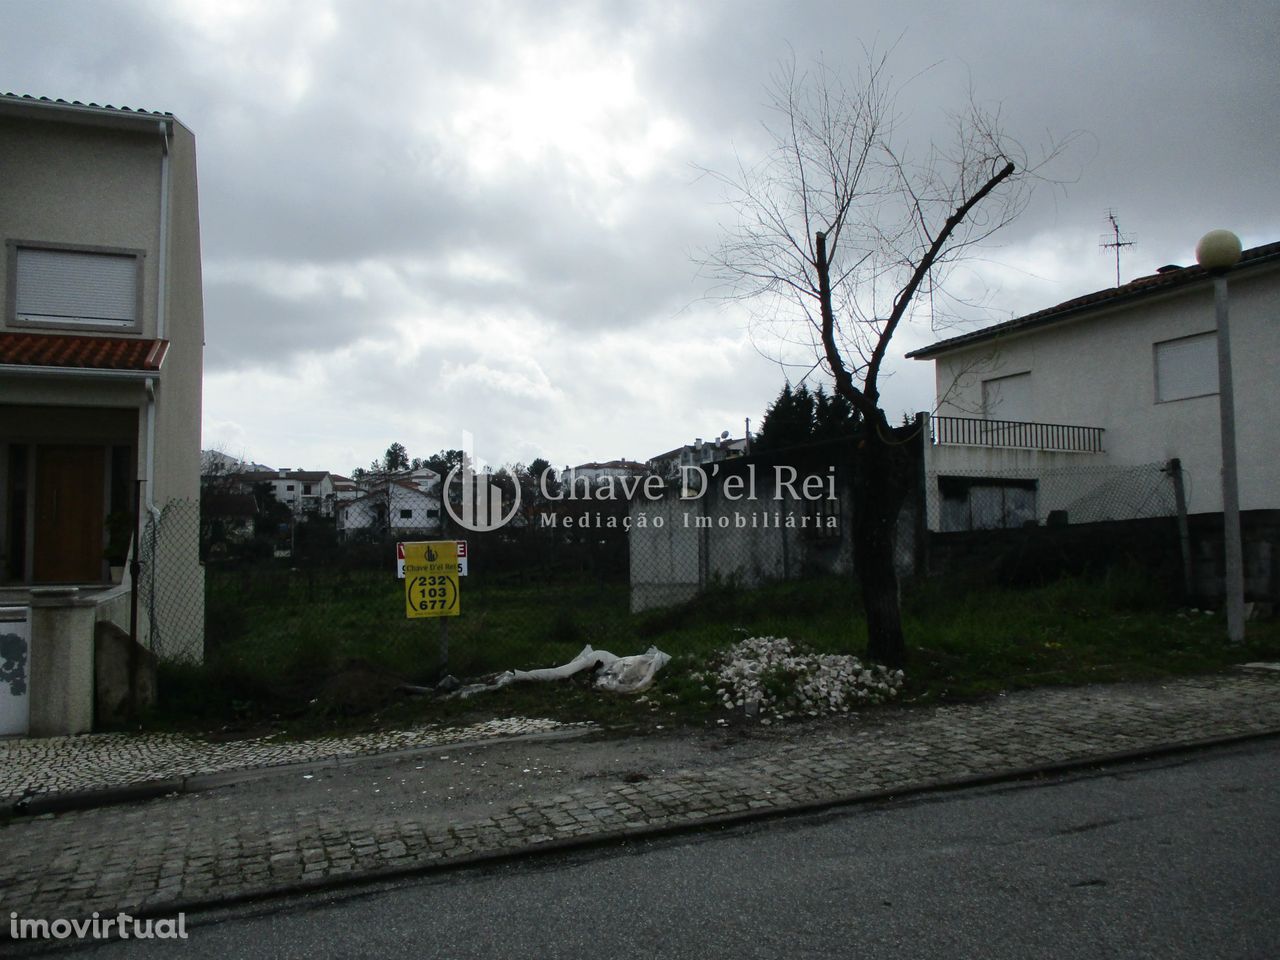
<point x="1007" y="398"/>
<point x="1187" y="367"/>
<point x="70" y="287"/>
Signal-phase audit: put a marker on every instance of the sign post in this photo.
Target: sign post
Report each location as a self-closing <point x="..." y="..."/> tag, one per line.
<point x="431" y="586"/>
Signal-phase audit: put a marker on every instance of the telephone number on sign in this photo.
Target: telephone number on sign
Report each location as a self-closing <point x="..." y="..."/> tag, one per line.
<point x="433" y="593"/>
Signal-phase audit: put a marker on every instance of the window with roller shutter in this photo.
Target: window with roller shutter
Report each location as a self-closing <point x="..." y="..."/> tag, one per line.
<point x="74" y="288"/>
<point x="1187" y="367"/>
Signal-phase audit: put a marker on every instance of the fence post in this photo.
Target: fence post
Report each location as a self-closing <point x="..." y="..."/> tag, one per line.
<point x="703" y="543"/>
<point x="921" y="558"/>
<point x="135" y="570"/>
<point x="1174" y="469"/>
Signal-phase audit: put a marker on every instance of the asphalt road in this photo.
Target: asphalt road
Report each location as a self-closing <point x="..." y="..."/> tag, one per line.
<point x="1171" y="859"/>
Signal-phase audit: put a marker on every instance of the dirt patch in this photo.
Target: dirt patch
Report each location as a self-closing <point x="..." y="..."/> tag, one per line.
<point x="356" y="688"/>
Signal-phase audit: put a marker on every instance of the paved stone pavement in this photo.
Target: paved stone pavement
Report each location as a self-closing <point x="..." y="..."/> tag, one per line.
<point x="40" y="767"/>
<point x="170" y="854"/>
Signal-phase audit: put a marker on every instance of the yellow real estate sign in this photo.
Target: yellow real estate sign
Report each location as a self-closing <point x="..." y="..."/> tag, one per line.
<point x="431" y="579"/>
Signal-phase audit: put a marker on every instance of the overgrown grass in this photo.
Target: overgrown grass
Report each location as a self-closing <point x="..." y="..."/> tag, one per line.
<point x="1119" y="626"/>
<point x="314" y="653"/>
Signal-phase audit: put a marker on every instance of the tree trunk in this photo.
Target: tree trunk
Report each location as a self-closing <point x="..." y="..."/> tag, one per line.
<point x="881" y="484"/>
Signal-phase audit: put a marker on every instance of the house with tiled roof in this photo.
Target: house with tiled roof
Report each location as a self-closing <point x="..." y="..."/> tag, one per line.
<point x="304" y="492"/>
<point x="597" y="470"/>
<point x="699" y="453"/>
<point x="101" y="352"/>
<point x="403" y="505"/>
<point x="1104" y="383"/>
<point x="344" y="488"/>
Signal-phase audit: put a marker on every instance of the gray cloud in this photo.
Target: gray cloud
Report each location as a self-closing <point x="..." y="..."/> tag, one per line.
<point x="517" y="186"/>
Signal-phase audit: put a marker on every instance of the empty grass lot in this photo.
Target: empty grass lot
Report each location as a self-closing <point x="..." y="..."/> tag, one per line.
<point x="302" y="651"/>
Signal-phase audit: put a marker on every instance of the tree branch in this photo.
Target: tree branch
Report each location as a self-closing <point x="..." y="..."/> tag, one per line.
<point x="843" y="379"/>
<point x="908" y="292"/>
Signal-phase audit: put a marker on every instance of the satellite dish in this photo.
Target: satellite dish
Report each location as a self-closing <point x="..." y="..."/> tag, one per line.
<point x="724" y="434"/>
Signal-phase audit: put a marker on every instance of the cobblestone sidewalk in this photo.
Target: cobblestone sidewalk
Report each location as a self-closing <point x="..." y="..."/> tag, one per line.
<point x="59" y="765"/>
<point x="172" y="853"/>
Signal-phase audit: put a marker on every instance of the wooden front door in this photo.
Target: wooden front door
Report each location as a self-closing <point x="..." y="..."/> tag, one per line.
<point x="69" y="514"/>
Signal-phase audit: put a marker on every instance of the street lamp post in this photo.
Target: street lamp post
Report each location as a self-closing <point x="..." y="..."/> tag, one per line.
<point x="1218" y="251"/>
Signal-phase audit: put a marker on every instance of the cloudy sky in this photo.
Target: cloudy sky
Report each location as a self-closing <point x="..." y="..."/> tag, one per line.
<point x="424" y="217"/>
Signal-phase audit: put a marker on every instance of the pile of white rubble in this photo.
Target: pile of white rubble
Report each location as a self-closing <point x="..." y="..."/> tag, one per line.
<point x="769" y="676"/>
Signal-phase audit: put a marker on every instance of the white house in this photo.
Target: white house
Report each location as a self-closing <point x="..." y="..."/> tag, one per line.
<point x="698" y="453"/>
<point x="344" y="489"/>
<point x="400" y="506"/>
<point x="304" y="492"/>
<point x="589" y="473"/>
<point x="1096" y="387"/>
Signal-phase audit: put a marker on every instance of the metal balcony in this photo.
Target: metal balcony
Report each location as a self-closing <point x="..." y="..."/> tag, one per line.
<point x="1021" y="434"/>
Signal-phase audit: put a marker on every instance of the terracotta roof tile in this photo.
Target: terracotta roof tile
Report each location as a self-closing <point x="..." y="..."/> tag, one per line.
<point x="78" y="352"/>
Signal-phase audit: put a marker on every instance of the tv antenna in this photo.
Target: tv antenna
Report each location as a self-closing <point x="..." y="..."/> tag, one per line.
<point x="1115" y="240"/>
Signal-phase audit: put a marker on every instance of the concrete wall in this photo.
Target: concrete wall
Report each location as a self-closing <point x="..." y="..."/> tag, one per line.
<point x="666" y="554"/>
<point x="402" y="498"/>
<point x="680" y="547"/>
<point x="179" y="393"/>
<point x="1099" y="370"/>
<point x="62" y="633"/>
<point x="78" y="656"/>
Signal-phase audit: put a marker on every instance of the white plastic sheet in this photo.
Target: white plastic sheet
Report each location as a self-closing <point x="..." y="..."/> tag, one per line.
<point x="632" y="674"/>
<point x="613" y="673"/>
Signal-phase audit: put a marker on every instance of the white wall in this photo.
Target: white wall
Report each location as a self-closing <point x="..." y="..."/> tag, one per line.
<point x="403" y="498"/>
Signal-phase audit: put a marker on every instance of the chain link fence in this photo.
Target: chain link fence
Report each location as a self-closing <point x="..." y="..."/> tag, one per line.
<point x="171" y="582"/>
<point x="754" y="522"/>
<point x="1024" y="525"/>
<point x="293" y="599"/>
<point x="1012" y="498"/>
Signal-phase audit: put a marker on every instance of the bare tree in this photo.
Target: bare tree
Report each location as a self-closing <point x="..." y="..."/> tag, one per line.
<point x="842" y="235"/>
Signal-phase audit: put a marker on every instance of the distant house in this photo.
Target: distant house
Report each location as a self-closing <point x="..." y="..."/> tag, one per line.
<point x="1113" y="380"/>
<point x="591" y="472"/>
<point x="344" y="489"/>
<point x="401" y="506"/>
<point x="101" y="346"/>
<point x="307" y="493"/>
<point x="215" y="464"/>
<point x="698" y="453"/>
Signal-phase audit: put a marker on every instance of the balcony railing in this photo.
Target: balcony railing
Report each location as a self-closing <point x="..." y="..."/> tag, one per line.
<point x="968" y="431"/>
